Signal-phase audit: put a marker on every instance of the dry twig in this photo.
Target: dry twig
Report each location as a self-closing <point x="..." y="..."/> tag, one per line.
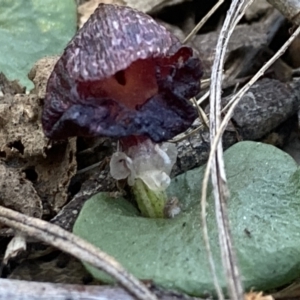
<point x="216" y="164"/>
<point x="24" y="290"/>
<point x="202" y="22"/>
<point x="69" y="243"/>
<point x="234" y="102"/>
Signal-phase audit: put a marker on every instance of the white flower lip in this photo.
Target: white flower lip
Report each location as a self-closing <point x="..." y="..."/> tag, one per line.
<point x="150" y="162"/>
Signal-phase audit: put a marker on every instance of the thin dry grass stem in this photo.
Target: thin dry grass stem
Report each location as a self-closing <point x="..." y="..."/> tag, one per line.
<point x="216" y="164"/>
<point x="77" y="247"/>
<point x="198" y="108"/>
<point x="202" y="22"/>
<point x="222" y="127"/>
<point x="205" y="83"/>
<point x="89" y="168"/>
<point x="202" y="116"/>
<point x="184" y="135"/>
<point x="235" y="89"/>
<point x="203" y="98"/>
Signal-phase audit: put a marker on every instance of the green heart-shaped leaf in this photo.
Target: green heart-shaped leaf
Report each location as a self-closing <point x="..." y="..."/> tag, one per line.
<point x="32" y="29"/>
<point x="264" y="210"/>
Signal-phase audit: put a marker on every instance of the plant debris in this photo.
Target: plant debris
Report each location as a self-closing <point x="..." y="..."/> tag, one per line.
<point x="39" y="177"/>
<point x="29" y="159"/>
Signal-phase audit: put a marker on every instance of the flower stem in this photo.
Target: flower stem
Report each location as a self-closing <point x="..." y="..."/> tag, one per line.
<point x="151" y="203"/>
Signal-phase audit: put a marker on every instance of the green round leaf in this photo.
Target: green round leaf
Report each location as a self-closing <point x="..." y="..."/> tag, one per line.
<point x="264" y="210"/>
<point x="32" y="29"/>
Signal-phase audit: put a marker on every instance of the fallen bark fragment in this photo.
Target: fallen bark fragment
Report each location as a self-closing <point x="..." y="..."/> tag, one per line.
<point x="289" y="8"/>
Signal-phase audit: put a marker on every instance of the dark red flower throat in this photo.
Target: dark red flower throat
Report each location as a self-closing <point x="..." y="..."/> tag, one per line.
<point x="129" y="85"/>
